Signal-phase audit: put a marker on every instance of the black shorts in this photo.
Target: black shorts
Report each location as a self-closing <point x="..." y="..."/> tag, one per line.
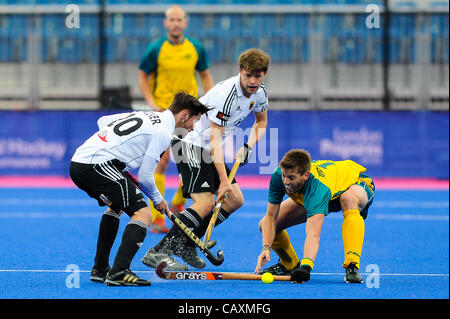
<point x="108" y="185"/>
<point x="197" y="170"/>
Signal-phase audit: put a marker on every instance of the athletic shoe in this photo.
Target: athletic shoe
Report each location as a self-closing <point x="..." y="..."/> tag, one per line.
<point x="99" y="275"/>
<point x="125" y="278"/>
<point x="278" y="269"/>
<point x="176" y="209"/>
<point x="159" y="226"/>
<point x="152" y="258"/>
<point x="352" y="275"/>
<point x="189" y="255"/>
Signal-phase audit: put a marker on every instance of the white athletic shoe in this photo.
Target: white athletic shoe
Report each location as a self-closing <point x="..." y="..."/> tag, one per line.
<point x="152" y="258"/>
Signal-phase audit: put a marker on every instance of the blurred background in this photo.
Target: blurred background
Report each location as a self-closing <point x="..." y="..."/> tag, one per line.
<point x="360" y="79"/>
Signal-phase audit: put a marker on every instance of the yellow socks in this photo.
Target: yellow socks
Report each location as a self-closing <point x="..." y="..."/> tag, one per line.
<point x="283" y="247"/>
<point x="178" y="198"/>
<point x="160" y="181"/>
<point x="307" y="262"/>
<point x="352" y="236"/>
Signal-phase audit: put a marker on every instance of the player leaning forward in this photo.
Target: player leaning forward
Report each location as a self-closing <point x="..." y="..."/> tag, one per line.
<point x="200" y="159"/>
<point x="125" y="142"/>
<point x="315" y="188"/>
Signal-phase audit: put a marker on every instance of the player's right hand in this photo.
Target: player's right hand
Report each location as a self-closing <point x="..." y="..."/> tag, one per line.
<point x="224" y="188"/>
<point x="262" y="259"/>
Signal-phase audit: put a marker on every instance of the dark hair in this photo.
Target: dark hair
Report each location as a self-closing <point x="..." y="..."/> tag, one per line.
<point x="183" y="101"/>
<point x="296" y="159"/>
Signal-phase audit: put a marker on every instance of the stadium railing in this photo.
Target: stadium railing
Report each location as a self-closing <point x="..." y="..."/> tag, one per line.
<point x="328" y="40"/>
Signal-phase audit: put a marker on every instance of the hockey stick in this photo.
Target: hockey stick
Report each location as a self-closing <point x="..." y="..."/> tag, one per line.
<point x="208" y="275"/>
<point x="215" y="260"/>
<point x="216" y="211"/>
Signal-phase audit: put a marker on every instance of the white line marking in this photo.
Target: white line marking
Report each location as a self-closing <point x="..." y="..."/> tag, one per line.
<point x="431" y="217"/>
<point x="411" y="217"/>
<point x="50" y="215"/>
<point x="152" y="271"/>
<point x="46" y="202"/>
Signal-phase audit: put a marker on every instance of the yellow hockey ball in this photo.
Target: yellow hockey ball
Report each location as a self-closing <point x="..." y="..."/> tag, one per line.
<point x="267" y="278"/>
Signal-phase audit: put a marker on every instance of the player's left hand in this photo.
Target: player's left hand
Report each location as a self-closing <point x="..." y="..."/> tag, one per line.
<point x="162" y="207"/>
<point x="244" y="153"/>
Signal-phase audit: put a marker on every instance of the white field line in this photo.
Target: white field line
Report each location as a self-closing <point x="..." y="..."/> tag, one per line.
<point x="152" y="271"/>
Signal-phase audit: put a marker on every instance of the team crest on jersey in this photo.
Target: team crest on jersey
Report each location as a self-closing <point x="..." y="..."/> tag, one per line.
<point x="252" y="103"/>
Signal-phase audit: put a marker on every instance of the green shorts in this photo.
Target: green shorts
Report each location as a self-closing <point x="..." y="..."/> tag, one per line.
<point x="366" y="182"/>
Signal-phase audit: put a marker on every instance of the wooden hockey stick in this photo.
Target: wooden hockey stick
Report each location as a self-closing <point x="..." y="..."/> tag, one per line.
<point x="208" y="275"/>
<point x="215" y="260"/>
<point x="216" y="210"/>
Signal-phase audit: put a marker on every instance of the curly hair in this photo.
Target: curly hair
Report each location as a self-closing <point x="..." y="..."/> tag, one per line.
<point x="254" y="60"/>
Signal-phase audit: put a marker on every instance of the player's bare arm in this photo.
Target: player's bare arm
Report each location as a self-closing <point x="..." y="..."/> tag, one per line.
<point x="268" y="228"/>
<point x="145" y="89"/>
<point x="206" y="80"/>
<point x="257" y="132"/>
<point x="313" y="229"/>
<point x="217" y="132"/>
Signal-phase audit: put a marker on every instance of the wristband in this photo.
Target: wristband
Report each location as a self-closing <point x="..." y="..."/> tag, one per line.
<point x="247" y="151"/>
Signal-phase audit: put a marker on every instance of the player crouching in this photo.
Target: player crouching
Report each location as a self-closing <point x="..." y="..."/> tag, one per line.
<point x="315" y="188"/>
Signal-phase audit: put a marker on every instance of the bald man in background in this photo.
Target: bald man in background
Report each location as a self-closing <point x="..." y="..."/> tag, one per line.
<point x="168" y="66"/>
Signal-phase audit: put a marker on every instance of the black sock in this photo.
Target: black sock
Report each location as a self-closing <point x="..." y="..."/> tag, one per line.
<point x="132" y="239"/>
<point x="221" y="217"/>
<point x="109" y="225"/>
<point x="190" y="218"/>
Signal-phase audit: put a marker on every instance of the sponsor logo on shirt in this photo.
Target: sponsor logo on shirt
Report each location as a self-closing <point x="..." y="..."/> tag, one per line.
<point x="222" y="116"/>
<point x="102" y="136"/>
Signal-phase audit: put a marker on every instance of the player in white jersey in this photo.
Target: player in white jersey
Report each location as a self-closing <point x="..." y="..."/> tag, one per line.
<point x="200" y="159"/>
<point x="123" y="143"/>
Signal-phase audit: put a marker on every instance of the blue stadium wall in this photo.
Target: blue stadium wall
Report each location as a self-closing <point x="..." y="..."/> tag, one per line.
<point x="286" y="37"/>
<point x="389" y="144"/>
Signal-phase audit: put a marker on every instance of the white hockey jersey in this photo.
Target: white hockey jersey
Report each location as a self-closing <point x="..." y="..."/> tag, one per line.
<point x="229" y="108"/>
<point x="128" y="137"/>
<point x="137" y="139"/>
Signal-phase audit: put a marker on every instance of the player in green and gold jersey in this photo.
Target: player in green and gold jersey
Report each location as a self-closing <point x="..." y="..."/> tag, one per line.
<point x="315" y="188"/>
<point x="167" y="67"/>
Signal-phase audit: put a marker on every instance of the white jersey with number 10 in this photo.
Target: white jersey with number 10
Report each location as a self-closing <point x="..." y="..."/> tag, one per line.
<point x="128" y="137"/>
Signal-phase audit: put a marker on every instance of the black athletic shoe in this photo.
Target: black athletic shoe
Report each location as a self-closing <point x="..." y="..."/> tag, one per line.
<point x="352" y="275"/>
<point x="99" y="275"/>
<point x="125" y="278"/>
<point x="278" y="269"/>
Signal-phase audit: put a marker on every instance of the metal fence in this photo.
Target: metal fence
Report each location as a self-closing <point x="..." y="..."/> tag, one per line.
<point x="323" y="56"/>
